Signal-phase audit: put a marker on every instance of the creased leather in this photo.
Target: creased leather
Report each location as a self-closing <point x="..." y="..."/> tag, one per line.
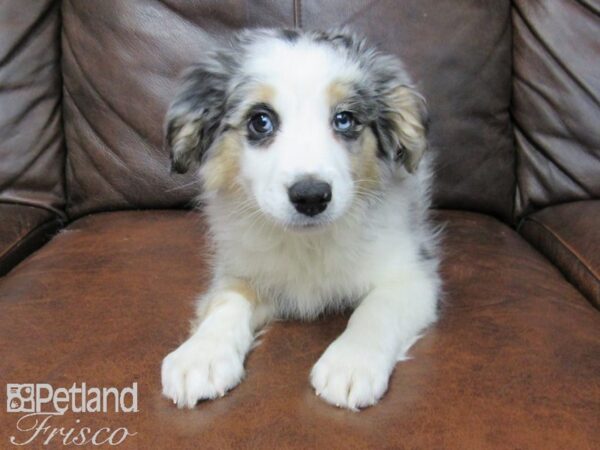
<point x="556" y="102"/>
<point x="31" y="140"/>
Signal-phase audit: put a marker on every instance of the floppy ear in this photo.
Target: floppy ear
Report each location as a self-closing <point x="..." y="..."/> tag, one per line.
<point x="401" y="126"/>
<point x="194" y="116"/>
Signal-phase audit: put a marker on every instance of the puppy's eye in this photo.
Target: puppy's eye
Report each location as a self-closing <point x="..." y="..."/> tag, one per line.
<point x="261" y="124"/>
<point x="343" y="121"/>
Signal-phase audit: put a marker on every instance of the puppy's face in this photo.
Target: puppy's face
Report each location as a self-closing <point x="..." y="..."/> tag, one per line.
<point x="302" y="126"/>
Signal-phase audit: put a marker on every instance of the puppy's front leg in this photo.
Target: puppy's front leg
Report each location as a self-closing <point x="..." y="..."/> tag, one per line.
<point x="354" y="370"/>
<point x="211" y="361"/>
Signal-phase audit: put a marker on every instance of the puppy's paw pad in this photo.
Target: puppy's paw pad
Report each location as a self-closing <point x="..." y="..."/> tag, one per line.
<point x="200" y="370"/>
<point x="349" y="380"/>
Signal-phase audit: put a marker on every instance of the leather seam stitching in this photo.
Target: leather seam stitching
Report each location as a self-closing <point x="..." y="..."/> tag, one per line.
<point x="297" y="13"/>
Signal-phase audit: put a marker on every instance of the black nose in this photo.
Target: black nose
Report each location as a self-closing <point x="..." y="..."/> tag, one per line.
<point x="309" y="196"/>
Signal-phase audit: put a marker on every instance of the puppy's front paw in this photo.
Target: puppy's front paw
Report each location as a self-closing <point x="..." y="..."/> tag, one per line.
<point x="350" y="377"/>
<point x="199" y="369"/>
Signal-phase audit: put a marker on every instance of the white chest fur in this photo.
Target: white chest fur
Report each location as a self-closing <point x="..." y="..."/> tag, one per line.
<point x="303" y="274"/>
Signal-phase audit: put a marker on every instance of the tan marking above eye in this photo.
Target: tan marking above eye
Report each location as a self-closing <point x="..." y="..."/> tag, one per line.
<point x="255" y="94"/>
<point x="337" y="91"/>
<point x="263" y="93"/>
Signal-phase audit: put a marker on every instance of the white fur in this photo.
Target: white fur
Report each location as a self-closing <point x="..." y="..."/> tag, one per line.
<point x="210" y="362"/>
<point x="304" y="71"/>
<point x="362" y="252"/>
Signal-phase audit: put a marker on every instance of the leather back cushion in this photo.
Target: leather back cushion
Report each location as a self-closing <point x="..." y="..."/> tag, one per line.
<point x="556" y="102"/>
<point x="31" y="141"/>
<point x="121" y="60"/>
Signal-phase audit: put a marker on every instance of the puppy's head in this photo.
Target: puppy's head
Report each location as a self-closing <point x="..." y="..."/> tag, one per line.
<point x="302" y="125"/>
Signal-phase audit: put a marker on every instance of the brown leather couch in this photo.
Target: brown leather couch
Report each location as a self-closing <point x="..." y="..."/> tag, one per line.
<point x="514" y="96"/>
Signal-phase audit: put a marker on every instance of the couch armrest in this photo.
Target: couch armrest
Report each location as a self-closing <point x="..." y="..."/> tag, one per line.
<point x="569" y="235"/>
<point x="23" y="229"/>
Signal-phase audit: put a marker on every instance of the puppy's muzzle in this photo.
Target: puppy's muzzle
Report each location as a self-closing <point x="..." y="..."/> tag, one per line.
<point x="310" y="196"/>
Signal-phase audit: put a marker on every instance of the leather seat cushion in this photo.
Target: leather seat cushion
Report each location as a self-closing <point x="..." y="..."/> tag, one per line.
<point x="512" y="363"/>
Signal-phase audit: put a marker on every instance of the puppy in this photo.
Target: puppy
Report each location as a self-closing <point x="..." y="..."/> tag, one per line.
<point x="309" y="147"/>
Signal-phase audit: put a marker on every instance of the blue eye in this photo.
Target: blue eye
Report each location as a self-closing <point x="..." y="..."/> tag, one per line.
<point x="260" y="124"/>
<point x="343" y="121"/>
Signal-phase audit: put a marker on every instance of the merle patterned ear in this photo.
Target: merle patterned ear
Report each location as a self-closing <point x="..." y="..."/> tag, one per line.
<point x="401" y="127"/>
<point x="193" y="118"/>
